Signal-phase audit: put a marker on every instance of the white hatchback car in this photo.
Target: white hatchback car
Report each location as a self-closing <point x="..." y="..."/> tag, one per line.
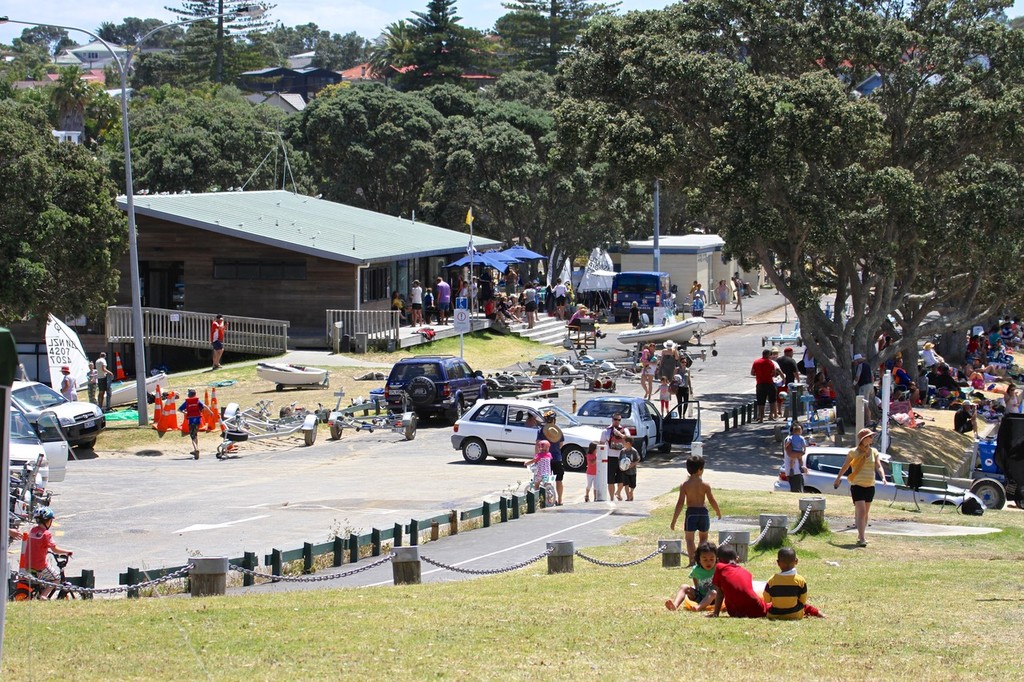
<point x="81" y="422"/>
<point x="823" y="464"/>
<point x="497" y="427"/>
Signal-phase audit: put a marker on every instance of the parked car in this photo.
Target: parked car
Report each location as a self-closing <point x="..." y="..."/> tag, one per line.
<point x="80" y="422"/>
<point x="497" y="427"/>
<point x="640" y="416"/>
<point x="28" y="441"/>
<point x="823" y="464"/>
<point x="434" y="384"/>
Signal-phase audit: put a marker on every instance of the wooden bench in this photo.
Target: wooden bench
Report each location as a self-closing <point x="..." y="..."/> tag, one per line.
<point x="933" y="479"/>
<point x="584" y="336"/>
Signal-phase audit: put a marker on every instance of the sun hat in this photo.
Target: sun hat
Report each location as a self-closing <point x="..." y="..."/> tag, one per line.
<point x="864" y="433"/>
<point x="65" y="369"/>
<point x="929" y="345"/>
<point x="857" y="357"/>
<point x="669" y="345"/>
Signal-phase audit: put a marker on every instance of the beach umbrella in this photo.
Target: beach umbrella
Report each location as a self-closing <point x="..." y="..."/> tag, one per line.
<point x="488" y="259"/>
<point x="522" y="253"/>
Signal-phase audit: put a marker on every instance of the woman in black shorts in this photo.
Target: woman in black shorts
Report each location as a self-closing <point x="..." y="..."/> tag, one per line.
<point x="862" y="462"/>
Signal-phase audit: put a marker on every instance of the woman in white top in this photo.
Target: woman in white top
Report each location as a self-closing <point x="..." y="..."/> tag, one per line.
<point x="1011" y="400"/>
<point x="416" y="300"/>
<point x="929" y="357"/>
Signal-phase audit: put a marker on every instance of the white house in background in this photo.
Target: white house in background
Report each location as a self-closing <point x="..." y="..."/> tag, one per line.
<point x="288" y="102"/>
<point x="72" y="136"/>
<point x="687" y="258"/>
<point x="95" y="55"/>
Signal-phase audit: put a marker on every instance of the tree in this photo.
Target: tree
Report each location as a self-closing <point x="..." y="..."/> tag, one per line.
<point x="220" y="40"/>
<point x="205" y="140"/>
<point x="440" y="48"/>
<point x="540" y="33"/>
<point x="52" y="38"/>
<point x="71" y="96"/>
<point x="336" y="52"/>
<point x="133" y="29"/>
<point x="370" y="146"/>
<point x="62" y="232"/>
<point x="751" y="109"/>
<point x="394" y="47"/>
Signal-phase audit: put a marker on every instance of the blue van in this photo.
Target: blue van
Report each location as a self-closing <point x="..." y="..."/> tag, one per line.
<point x="650" y="290"/>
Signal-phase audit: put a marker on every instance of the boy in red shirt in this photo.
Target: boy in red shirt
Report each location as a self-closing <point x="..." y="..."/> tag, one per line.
<point x="735" y="587"/>
<point x="40" y="544"/>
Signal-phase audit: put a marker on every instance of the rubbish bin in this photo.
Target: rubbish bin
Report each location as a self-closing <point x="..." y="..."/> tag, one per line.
<point x="362" y="341"/>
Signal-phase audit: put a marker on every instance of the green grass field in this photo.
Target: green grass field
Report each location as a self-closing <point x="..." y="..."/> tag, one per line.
<point x="922" y="608"/>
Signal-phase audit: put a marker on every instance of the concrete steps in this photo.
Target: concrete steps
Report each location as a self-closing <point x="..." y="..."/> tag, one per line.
<point x="547" y="330"/>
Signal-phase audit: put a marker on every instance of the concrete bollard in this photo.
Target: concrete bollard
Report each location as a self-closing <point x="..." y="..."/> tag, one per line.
<point x="672" y="555"/>
<point x="560" y="558"/>
<point x="776" y="534"/>
<point x="208" y="576"/>
<point x="815" y="523"/>
<point x="405" y="565"/>
<point x="740" y="540"/>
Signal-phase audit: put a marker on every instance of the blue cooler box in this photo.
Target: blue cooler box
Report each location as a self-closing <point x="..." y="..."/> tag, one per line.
<point x="987" y="456"/>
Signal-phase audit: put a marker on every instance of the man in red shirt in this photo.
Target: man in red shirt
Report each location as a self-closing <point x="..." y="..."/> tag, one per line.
<point x="763" y="371"/>
<point x="218" y="332"/>
<point x="735" y="587"/>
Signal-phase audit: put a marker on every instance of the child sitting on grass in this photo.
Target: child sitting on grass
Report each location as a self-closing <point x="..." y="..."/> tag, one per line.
<point x="693" y="493"/>
<point x="702" y="593"/>
<point x="786" y="592"/>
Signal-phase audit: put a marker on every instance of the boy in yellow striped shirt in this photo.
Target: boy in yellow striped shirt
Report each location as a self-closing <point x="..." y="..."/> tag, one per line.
<point x="786" y="591"/>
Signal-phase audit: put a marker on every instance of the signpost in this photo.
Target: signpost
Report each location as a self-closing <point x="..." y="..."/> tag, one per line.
<point x="8" y="363"/>
<point x="460" y="320"/>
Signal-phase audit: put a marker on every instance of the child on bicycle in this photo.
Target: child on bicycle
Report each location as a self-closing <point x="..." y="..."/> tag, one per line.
<point x="40" y="544"/>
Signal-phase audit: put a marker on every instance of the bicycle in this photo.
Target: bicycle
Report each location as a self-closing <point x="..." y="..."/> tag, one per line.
<point x="25" y="589"/>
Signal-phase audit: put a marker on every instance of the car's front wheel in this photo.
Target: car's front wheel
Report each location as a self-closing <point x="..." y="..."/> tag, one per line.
<point x="811" y="491"/>
<point x="574" y="459"/>
<point x="641" y="448"/>
<point x="474" y="451"/>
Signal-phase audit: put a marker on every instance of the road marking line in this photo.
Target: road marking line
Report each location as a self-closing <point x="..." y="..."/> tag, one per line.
<point x="213" y="526"/>
<point x="508" y="549"/>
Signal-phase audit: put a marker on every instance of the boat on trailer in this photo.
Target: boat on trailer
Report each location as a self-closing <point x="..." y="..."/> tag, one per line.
<point x="679" y="332"/>
<point x="292" y="375"/>
<point x="125" y="392"/>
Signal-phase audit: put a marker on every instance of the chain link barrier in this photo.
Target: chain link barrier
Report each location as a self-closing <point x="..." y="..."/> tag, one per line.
<point x="312" y="578"/>
<point x="807" y="515"/>
<point x="764" y="531"/>
<point x="623" y="564"/>
<point x="68" y="587"/>
<point x="486" y="571"/>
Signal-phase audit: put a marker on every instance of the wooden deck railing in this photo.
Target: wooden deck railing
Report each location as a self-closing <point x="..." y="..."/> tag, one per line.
<point x="192" y="330"/>
<point x="380" y="326"/>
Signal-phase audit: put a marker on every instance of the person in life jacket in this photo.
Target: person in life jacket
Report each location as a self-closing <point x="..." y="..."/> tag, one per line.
<point x="193" y="408"/>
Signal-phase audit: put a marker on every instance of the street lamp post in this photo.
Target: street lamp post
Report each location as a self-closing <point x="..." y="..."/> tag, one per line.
<point x="138" y="337"/>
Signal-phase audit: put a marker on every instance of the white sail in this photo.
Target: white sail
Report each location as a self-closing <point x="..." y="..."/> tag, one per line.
<point x="63" y="347"/>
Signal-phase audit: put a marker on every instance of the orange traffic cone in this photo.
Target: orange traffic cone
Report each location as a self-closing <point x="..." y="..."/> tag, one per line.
<point x="215" y="408"/>
<point x="119" y="368"/>
<point x="209" y="421"/>
<point x="170" y="418"/>
<point x="184" y="424"/>
<point x="158" y="409"/>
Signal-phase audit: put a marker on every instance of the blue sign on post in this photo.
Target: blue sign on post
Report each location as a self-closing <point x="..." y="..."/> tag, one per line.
<point x="462" y="303"/>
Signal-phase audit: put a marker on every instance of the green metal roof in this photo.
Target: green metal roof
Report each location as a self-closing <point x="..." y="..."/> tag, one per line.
<point x="307" y="225"/>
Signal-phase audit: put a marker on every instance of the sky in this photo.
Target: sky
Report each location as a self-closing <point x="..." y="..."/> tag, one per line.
<point x="337" y="16"/>
<point x="365" y="17"/>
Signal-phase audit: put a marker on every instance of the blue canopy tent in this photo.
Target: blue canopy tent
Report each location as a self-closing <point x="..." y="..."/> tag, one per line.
<point x="522" y="253"/>
<point x="490" y="259"/>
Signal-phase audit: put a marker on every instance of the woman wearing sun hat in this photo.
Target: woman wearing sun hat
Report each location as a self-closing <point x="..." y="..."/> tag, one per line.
<point x="929" y="357"/>
<point x="862" y="462"/>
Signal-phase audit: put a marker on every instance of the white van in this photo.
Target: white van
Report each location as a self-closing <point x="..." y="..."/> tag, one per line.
<point x="28" y="442"/>
<point x="80" y="422"/>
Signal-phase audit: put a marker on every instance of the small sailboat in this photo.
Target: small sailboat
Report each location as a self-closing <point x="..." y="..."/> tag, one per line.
<point x="292" y="375"/>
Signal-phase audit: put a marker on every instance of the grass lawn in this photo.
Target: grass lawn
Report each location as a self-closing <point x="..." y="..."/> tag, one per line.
<point x="923" y="608"/>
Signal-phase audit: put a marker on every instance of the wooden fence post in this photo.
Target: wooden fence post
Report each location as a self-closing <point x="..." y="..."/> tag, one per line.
<point x="405" y="565"/>
<point x="515" y="507"/>
<point x="739" y="539"/>
<point x="339" y="552"/>
<point x="503" y="508"/>
<point x="88" y="580"/>
<point x="375" y="542"/>
<point x="307" y="558"/>
<point x="248" y="561"/>
<point x="776" y="534"/>
<point x="815" y="523"/>
<point x="486" y="508"/>
<point x="353" y="548"/>
<point x="453" y="522"/>
<point x="276" y="564"/>
<point x="134" y="576"/>
<point x="671" y="556"/>
<point x="208" y="576"/>
<point x="414" y="532"/>
<point x="531" y="502"/>
<point x="560" y="556"/>
<point x="725" y="418"/>
<point x="435" y="531"/>
<point x="397" y="538"/>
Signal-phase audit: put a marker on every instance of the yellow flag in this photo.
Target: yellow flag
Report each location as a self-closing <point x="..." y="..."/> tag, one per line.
<point x="469" y="216"/>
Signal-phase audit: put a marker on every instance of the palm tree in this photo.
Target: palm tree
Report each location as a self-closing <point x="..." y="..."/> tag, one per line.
<point x="394" y="47"/>
<point x="70" y="96"/>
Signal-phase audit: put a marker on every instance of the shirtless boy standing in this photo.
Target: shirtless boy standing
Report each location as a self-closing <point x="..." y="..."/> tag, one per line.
<point x="692" y="493"/>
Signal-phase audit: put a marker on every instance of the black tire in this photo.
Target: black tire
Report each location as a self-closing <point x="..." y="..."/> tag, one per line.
<point x="641" y="448"/>
<point x="21" y="594"/>
<point x="336" y="431"/>
<point x="991" y="492"/>
<point x="455" y="414"/>
<point x="573" y="458"/>
<point x="309" y="437"/>
<point x="422" y="390"/>
<point x="410" y="428"/>
<point x="812" y="491"/>
<point x="665" y="448"/>
<point x="474" y="451"/>
<point x="280" y="387"/>
<point x="544" y="371"/>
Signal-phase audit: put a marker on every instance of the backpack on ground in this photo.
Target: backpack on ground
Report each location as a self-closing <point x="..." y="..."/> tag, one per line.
<point x="972" y="505"/>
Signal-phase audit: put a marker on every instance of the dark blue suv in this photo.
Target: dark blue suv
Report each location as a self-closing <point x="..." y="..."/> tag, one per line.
<point x="434" y="384"/>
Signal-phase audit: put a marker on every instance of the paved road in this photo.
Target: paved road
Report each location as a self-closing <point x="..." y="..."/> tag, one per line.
<point x="152" y="512"/>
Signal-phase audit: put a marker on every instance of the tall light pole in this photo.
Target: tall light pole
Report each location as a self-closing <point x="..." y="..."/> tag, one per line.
<point x="138" y="337"/>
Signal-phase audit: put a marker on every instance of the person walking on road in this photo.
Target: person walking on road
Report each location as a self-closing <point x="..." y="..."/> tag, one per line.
<point x="763" y="370"/>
